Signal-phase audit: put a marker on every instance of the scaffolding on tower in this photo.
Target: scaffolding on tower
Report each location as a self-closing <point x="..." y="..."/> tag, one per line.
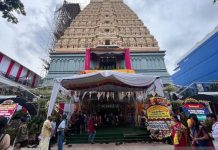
<point x="64" y="15"/>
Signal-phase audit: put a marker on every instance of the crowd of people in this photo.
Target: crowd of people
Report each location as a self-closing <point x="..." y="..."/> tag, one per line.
<point x="194" y="134"/>
<point x="50" y="132"/>
<point x="78" y="121"/>
<point x="21" y="139"/>
<point x="191" y="133"/>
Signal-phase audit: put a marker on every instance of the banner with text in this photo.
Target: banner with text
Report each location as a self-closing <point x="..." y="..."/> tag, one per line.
<point x="158" y="115"/>
<point x="7" y="110"/>
<point x="199" y="109"/>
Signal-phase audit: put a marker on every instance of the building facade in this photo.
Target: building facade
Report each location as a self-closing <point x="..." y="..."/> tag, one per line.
<point x="200" y="63"/>
<point x="106" y="23"/>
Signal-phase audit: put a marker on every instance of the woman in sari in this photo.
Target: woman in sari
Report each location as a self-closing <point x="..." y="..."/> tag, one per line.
<point x="200" y="137"/>
<point x="179" y="134"/>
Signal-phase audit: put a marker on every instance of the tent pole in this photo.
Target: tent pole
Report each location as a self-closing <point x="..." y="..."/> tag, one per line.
<point x="136" y="111"/>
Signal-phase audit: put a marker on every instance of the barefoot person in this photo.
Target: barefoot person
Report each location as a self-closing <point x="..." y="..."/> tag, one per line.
<point x="45" y="134"/>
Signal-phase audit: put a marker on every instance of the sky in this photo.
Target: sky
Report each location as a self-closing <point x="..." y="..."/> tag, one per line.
<point x="177" y="26"/>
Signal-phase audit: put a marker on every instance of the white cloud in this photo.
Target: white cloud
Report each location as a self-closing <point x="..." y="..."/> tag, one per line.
<point x="177" y="25"/>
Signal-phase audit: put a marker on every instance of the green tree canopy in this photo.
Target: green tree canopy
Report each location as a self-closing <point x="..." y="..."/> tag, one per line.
<point x="7" y="7"/>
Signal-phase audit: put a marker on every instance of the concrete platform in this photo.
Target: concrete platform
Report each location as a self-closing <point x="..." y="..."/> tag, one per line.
<point x="112" y="146"/>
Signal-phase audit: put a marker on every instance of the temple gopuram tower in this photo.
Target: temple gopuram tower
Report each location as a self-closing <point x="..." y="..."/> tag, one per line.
<point x="106" y="26"/>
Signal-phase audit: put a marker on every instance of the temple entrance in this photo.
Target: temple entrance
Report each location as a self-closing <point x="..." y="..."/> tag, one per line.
<point x="107" y="61"/>
<point x="111" y="113"/>
<point x="114" y="95"/>
<point x="115" y="120"/>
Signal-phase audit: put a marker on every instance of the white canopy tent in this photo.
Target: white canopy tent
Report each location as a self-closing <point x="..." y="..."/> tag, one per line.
<point x="104" y="81"/>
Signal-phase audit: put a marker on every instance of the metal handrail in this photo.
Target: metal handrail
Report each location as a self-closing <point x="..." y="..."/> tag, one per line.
<point x="195" y="83"/>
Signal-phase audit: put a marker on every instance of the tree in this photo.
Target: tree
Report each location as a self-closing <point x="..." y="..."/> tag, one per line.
<point x="168" y="89"/>
<point x="7" y="7"/>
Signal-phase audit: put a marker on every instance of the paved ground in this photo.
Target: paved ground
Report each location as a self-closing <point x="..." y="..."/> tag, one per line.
<point x="127" y="146"/>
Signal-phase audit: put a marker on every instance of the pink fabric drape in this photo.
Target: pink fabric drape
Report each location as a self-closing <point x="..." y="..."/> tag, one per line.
<point x="87" y="59"/>
<point x="127" y="59"/>
<point x="1" y="57"/>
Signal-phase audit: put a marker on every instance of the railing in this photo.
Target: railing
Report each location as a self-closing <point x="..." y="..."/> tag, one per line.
<point x="197" y="87"/>
<point x="21" y="80"/>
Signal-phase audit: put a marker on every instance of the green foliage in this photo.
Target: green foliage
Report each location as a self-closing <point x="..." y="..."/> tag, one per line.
<point x="45" y="93"/>
<point x="56" y="116"/>
<point x="19" y="114"/>
<point x="42" y="108"/>
<point x="175" y="106"/>
<point x="35" y="124"/>
<point x="11" y="130"/>
<point x="7" y="7"/>
<point x="208" y="125"/>
<point x="170" y="88"/>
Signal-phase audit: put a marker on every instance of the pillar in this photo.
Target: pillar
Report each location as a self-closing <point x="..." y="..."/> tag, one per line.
<point x="87" y="59"/>
<point x="127" y="59"/>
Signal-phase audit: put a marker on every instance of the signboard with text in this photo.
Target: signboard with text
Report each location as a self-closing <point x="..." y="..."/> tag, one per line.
<point x="196" y="108"/>
<point x="7" y="110"/>
<point x="157" y="125"/>
<point x="159" y="118"/>
<point x="158" y="113"/>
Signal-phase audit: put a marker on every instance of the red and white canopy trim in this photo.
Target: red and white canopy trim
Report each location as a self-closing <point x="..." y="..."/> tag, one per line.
<point x="105" y="81"/>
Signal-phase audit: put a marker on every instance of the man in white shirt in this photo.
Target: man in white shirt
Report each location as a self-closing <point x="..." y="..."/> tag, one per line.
<point x="213" y="119"/>
<point x="60" y="131"/>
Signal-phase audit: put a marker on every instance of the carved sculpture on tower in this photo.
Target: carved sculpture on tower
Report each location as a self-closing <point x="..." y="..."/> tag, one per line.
<point x="106" y="22"/>
<point x="109" y="20"/>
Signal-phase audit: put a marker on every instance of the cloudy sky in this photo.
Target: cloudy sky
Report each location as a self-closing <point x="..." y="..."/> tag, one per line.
<point x="177" y="26"/>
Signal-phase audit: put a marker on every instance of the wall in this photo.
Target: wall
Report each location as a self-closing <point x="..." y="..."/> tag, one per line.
<point x="68" y="64"/>
<point x="150" y="64"/>
<point x="63" y="65"/>
<point x="200" y="65"/>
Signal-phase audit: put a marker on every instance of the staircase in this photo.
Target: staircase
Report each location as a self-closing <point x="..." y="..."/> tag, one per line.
<point x="111" y="135"/>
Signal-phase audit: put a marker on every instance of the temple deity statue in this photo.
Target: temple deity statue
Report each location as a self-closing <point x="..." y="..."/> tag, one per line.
<point x="149" y="42"/>
<point x="132" y="42"/>
<point x="64" y="43"/>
